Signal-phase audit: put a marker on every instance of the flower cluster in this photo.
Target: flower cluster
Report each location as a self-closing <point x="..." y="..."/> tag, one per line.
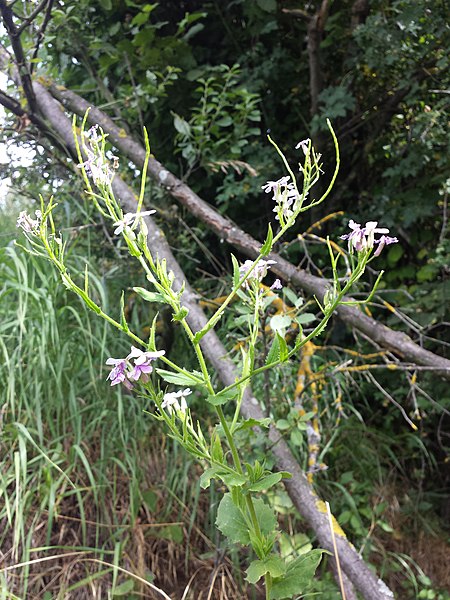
<point x="124" y="371"/>
<point x="285" y="195"/>
<point x="28" y="224"/>
<point x="176" y="401"/>
<point x="96" y="165"/>
<point x="363" y="238"/>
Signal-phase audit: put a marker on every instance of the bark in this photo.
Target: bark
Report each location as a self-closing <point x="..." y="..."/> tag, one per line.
<point x="397" y="342"/>
<point x="301" y="492"/>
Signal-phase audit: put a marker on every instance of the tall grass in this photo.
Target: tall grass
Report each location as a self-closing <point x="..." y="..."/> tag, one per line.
<point x="84" y="477"/>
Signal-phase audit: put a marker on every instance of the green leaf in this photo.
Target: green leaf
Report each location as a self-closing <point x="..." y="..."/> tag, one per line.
<point x="258" y="568"/>
<point x="267" y="246"/>
<point x="279" y="323"/>
<point x="249" y="423"/>
<point x="231" y="522"/>
<point x="274" y="353"/>
<point x="305" y="318"/>
<point x="284" y="350"/>
<point x="269" y="6"/>
<point x="224" y="121"/>
<point x="292" y="297"/>
<point x="206" y="476"/>
<point x="106" y="4"/>
<point x="266" y="482"/>
<point x="181" y="314"/>
<point x="233" y="479"/>
<point x="177" y="378"/>
<point x="283" y="424"/>
<point x="124" y="588"/>
<point x="236" y="274"/>
<point x="149" y="296"/>
<point x="123" y="320"/>
<point x="181" y="125"/>
<point x="222" y="397"/>
<point x="298" y="576"/>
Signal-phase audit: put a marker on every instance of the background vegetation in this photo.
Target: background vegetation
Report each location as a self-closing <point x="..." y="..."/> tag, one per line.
<point x="83" y="471"/>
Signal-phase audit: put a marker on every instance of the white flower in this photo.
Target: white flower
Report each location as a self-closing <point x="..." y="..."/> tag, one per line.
<point x="176" y="401"/>
<point x="28" y="224"/>
<point x="128" y="219"/>
<point x="259" y="271"/>
<point x="304" y="145"/>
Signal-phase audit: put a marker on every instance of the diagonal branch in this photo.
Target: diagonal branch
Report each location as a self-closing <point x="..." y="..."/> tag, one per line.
<point x="22" y="66"/>
<point x="399" y="343"/>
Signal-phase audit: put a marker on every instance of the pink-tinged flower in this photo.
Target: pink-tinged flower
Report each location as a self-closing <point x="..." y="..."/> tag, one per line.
<point x="356" y="237"/>
<point x="142" y="363"/>
<point x="304" y="145"/>
<point x="176" y="401"/>
<point x="128" y="219"/>
<point x="364" y="238"/>
<point x="118" y="373"/>
<point x="276" y="285"/>
<point x="28" y="224"/>
<point x="258" y="272"/>
<point x="384" y="240"/>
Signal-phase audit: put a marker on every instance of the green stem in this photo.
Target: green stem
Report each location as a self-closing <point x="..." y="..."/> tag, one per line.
<point x="268" y="580"/>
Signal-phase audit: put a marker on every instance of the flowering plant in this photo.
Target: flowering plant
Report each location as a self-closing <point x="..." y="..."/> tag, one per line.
<point x="243" y="514"/>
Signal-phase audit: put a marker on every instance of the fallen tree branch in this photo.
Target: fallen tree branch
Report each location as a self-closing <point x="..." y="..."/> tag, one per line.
<point x="398" y="342"/>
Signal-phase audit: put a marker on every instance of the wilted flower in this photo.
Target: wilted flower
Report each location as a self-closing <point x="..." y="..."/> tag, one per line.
<point x="28" y="224"/>
<point x="176" y="401"/>
<point x="128" y="219"/>
<point x="258" y="272"/>
<point x="304" y="145"/>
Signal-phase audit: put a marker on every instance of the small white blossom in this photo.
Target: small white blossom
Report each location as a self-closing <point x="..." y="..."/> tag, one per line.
<point x="28" y="224"/>
<point x="304" y="145"/>
<point x="176" y="401"/>
<point x="128" y="219"/>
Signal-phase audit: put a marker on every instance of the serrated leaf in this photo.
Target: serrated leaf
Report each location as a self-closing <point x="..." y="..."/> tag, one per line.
<point x="284" y="350"/>
<point x="149" y="296"/>
<point x="236" y="274"/>
<point x="123" y="320"/>
<point x="222" y="397"/>
<point x="232" y="524"/>
<point x="177" y="378"/>
<point x="151" y="347"/>
<point x="274" y="353"/>
<point x="267" y="246"/>
<point x="298" y="577"/>
<point x="181" y="314"/>
<point x="266" y="482"/>
<point x="249" y="423"/>
<point x="206" y="476"/>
